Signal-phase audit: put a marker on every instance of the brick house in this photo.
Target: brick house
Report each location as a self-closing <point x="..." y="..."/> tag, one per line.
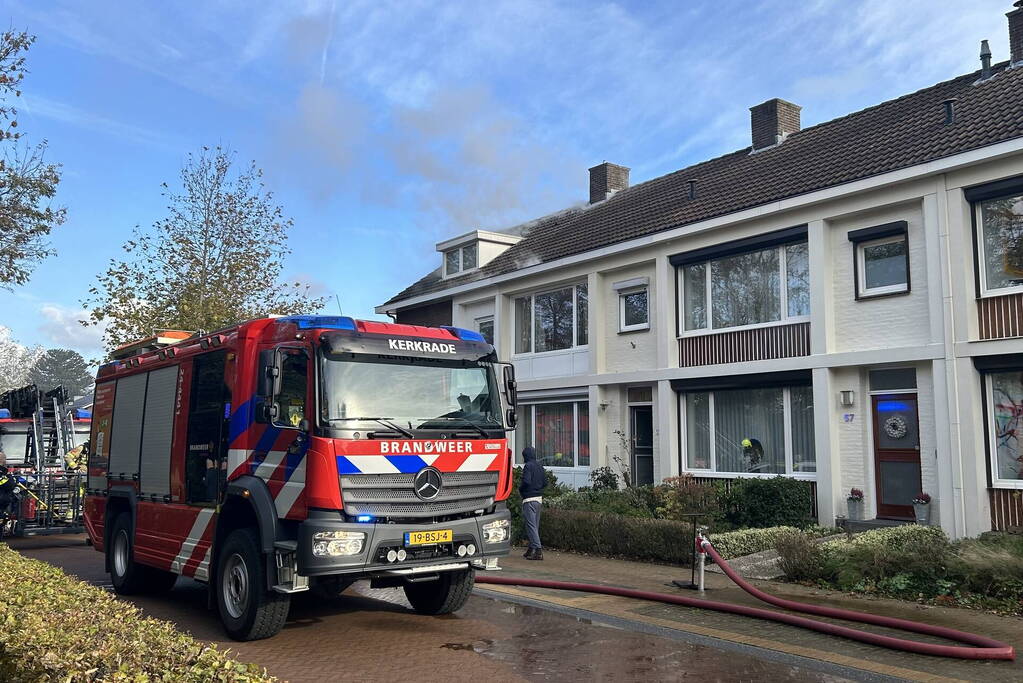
<point x="849" y="295"/>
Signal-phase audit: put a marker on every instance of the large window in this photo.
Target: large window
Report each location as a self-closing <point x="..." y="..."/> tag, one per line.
<point x="752" y="288"/>
<point x="750" y="431"/>
<point x="551" y="321"/>
<point x="1000" y="244"/>
<point x="1005" y="414"/>
<point x="560" y="433"/>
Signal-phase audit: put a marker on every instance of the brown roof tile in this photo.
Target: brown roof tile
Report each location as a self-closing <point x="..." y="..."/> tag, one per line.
<point x="903" y="132"/>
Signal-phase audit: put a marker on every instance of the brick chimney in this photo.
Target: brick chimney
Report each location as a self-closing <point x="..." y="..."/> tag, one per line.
<point x="772" y="121"/>
<point x="1016" y="33"/>
<point x="606" y="179"/>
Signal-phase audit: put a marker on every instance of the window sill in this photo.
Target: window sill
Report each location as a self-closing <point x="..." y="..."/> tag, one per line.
<point x="709" y="474"/>
<point x="547" y="354"/>
<point x="882" y="295"/>
<point x="634" y="328"/>
<point x="1010" y="484"/>
<point x="1004" y="291"/>
<point x="757" y="326"/>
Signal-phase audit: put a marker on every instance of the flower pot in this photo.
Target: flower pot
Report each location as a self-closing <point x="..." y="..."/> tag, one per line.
<point x="855" y="509"/>
<point x="922" y="512"/>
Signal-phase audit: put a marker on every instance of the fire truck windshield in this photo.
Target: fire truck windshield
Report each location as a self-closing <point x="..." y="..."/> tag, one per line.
<point x="357" y="392"/>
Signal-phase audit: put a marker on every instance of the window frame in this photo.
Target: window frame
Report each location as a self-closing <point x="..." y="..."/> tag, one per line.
<point x="576" y="401"/>
<point x="711" y="471"/>
<point x="532" y="320"/>
<point x="996" y="482"/>
<point x="983" y="291"/>
<point x="487" y="319"/>
<point x="629" y="291"/>
<point x="860" y="269"/>
<point x="459" y="251"/>
<point x="783" y="298"/>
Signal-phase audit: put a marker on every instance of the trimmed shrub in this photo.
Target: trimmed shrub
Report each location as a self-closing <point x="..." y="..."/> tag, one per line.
<point x="55" y="627"/>
<point x="684" y="495"/>
<point x="634" y="538"/>
<point x="802" y="558"/>
<point x="747" y="541"/>
<point x="901" y="559"/>
<point x="628" y="502"/>
<point x="604" y="479"/>
<point x="761" y="503"/>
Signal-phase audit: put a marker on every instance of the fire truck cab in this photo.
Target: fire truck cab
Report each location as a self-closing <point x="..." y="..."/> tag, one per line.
<point x="302" y="452"/>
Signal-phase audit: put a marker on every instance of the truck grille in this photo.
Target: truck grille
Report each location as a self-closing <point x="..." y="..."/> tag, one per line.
<point x="392" y="495"/>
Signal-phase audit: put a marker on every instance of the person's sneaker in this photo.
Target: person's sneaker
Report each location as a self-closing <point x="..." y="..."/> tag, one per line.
<point x="537" y="555"/>
<point x="528" y="554"/>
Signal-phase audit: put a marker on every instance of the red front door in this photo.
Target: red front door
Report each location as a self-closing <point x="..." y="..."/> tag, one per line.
<point x="896" y="454"/>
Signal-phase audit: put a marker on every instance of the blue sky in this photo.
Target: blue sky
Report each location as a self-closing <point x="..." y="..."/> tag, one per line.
<point x="384" y="127"/>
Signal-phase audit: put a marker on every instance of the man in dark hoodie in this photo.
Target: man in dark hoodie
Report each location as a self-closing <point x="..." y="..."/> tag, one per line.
<point x="531" y="489"/>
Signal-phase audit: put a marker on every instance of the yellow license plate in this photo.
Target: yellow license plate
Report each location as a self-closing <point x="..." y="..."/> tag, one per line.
<point x="428" y="537"/>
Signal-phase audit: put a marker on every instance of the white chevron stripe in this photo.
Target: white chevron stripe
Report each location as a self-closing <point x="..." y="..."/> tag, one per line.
<point x="270" y="464"/>
<point x="477" y="462"/>
<point x="235" y="458"/>
<point x="203" y="570"/>
<point x="202" y="520"/>
<point x="290" y="492"/>
<point x="372" y="464"/>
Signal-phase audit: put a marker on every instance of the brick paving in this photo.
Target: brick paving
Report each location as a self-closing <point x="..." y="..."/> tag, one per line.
<point x="567" y="566"/>
<point x="373" y="636"/>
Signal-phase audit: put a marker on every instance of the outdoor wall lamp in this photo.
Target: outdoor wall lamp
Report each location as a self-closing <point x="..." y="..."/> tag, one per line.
<point x="847" y="397"/>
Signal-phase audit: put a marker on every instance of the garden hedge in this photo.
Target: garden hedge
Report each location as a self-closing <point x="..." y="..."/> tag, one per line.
<point x="54" y="627"/>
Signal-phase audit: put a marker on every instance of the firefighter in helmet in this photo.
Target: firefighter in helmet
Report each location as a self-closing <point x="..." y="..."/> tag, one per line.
<point x="7" y="485"/>
<point x="753" y="451"/>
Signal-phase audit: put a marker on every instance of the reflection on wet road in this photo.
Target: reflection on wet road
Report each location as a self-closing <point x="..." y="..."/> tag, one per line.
<point x="369" y="635"/>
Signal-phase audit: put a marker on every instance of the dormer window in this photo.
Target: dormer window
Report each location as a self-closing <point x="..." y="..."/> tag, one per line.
<point x="472" y="251"/>
<point x="459" y="259"/>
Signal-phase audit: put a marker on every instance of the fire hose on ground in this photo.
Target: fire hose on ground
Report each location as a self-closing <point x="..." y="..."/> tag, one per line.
<point x="982" y="647"/>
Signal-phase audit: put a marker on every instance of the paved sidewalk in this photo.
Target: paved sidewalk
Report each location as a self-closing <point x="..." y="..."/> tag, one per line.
<point x="770" y="635"/>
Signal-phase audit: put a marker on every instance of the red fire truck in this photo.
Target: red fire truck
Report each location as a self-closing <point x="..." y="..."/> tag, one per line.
<point x="305" y="451"/>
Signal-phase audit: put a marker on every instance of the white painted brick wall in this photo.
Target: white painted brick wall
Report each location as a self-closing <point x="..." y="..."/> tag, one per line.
<point x="632" y="350"/>
<point x="887" y="321"/>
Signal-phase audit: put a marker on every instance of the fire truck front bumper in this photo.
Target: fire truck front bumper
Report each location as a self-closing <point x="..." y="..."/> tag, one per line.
<point x="328" y="544"/>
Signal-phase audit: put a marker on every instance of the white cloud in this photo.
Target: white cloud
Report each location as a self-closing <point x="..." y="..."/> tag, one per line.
<point x="61" y="329"/>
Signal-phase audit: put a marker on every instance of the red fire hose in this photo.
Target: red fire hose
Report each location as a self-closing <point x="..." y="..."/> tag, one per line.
<point x="985" y="648"/>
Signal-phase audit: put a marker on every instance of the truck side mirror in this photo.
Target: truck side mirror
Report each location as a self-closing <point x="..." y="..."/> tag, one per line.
<point x="511" y="418"/>
<point x="511" y="387"/>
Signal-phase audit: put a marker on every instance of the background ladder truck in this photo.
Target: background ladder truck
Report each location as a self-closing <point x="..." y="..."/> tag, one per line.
<point x="44" y="441"/>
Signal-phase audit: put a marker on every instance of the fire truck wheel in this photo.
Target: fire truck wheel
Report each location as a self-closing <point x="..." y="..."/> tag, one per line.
<point x="127" y="576"/>
<point x="447" y="594"/>
<point x="248" y="610"/>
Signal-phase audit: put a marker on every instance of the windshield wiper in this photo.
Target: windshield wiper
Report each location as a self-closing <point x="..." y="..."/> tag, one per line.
<point x="385" y="421"/>
<point x="460" y="420"/>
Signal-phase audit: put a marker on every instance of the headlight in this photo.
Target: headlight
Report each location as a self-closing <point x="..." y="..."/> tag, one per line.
<point x="335" y="543"/>
<point x="496" y="531"/>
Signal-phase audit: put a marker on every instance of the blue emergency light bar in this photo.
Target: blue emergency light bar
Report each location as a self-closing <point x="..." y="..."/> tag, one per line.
<point x="364" y="518"/>
<point x="463" y="334"/>
<point x="320" y="322"/>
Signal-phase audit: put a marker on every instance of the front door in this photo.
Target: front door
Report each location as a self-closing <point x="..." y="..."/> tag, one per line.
<point x="642" y="445"/>
<point x="896" y="454"/>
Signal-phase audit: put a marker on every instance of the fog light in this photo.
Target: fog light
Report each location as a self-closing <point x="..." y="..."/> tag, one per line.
<point x="462" y="550"/>
<point x="402" y="555"/>
<point x="336" y="543"/>
<point x="392" y="555"/>
<point x="497" y="531"/>
<point x="471" y="549"/>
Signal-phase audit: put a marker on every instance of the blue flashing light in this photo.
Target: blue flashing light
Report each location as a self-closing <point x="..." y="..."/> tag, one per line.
<point x="320" y="322"/>
<point x="892" y="406"/>
<point x="364" y="518"/>
<point x="464" y="334"/>
<point x="5" y="414"/>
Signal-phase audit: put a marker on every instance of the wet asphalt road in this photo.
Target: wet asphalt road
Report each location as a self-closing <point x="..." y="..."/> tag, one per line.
<point x="372" y="635"/>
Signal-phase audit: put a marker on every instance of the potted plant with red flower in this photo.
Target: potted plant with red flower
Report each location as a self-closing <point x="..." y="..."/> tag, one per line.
<point x="855" y="505"/>
<point x="922" y="507"/>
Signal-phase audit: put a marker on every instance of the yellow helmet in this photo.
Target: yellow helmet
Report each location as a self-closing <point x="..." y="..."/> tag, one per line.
<point x="746" y="443"/>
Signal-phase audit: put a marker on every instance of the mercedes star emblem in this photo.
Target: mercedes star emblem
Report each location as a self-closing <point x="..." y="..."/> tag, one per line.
<point x="427" y="483"/>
